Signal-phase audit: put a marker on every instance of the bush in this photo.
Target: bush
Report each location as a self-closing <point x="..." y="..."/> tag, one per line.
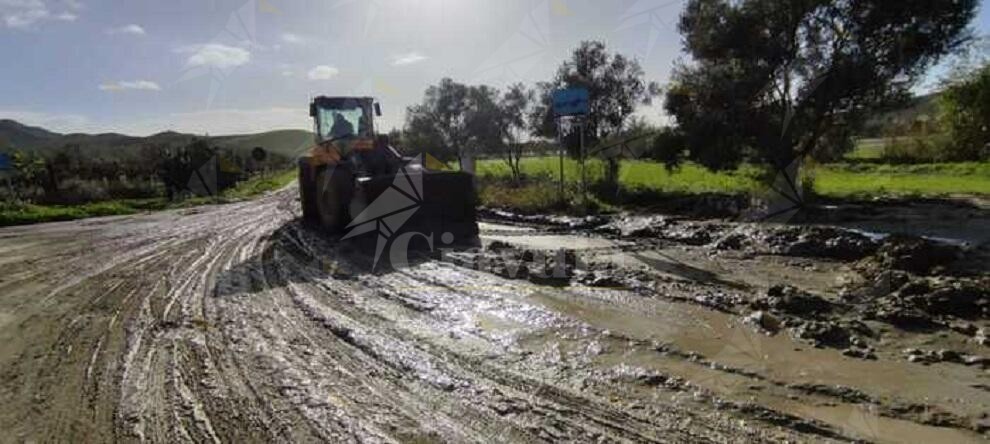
<point x="668" y="147"/>
<point x="964" y="112"/>
<point x="915" y="149"/>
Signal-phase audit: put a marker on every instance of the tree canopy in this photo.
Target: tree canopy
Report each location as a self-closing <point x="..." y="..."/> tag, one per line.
<point x="454" y="118"/>
<point x="775" y="81"/>
<point x="964" y="112"/>
<point x="615" y="84"/>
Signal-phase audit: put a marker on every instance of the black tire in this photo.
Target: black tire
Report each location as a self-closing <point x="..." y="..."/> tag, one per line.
<point x="333" y="194"/>
<point x="307" y="185"/>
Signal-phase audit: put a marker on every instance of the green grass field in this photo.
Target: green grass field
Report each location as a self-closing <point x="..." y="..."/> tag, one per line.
<point x="831" y="180"/>
<point x="634" y="175"/>
<point x="20" y="214"/>
<point x="867" y="180"/>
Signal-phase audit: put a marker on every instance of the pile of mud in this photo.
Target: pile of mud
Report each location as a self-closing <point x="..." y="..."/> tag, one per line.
<point x="552" y="268"/>
<point x="911" y="283"/>
<point x="770" y="239"/>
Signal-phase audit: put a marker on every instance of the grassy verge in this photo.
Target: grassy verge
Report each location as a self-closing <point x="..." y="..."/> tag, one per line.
<point x="635" y="174"/>
<point x="651" y="180"/>
<point x="868" y="180"/>
<point x="20" y="214"/>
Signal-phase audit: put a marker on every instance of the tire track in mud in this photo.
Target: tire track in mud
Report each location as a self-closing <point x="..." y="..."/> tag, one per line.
<point x="233" y="323"/>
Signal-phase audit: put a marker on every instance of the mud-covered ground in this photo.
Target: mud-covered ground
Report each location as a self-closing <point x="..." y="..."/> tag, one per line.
<point x="236" y="323"/>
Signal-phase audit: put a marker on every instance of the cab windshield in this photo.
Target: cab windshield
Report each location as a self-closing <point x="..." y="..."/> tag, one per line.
<point x="342" y="119"/>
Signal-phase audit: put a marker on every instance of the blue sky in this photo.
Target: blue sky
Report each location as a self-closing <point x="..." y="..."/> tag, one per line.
<point x="233" y="66"/>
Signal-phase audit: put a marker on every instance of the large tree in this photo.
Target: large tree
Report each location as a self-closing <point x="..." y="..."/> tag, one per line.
<point x="776" y="81"/>
<point x="615" y="84"/>
<point x="454" y="121"/>
<point x="437" y="125"/>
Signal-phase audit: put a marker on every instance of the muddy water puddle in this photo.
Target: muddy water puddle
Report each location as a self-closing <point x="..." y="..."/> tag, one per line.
<point x="736" y="363"/>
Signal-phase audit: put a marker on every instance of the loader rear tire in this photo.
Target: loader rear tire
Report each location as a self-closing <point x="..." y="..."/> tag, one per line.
<point x="334" y="187"/>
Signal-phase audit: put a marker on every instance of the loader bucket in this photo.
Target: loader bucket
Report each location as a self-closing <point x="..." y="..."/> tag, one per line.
<point x="440" y="204"/>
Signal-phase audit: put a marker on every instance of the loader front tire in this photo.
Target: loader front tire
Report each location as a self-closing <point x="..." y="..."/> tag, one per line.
<point x="334" y="187"/>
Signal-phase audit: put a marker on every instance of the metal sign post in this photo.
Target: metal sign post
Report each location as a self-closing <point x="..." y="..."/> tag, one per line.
<point x="584" y="181"/>
<point x="560" y="152"/>
<point x="570" y="102"/>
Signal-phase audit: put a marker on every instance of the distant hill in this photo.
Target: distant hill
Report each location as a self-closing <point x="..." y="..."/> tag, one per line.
<point x="923" y="107"/>
<point x="13" y="133"/>
<point x="290" y="143"/>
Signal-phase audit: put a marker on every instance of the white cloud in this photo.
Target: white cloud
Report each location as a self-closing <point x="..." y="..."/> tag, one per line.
<point x="294" y="39"/>
<point x="22" y="13"/>
<point x="287" y="73"/>
<point x="25" y="13"/>
<point x="131" y="29"/>
<point x="322" y="72"/>
<point x="408" y="59"/>
<point x="122" y="85"/>
<point x="215" y="55"/>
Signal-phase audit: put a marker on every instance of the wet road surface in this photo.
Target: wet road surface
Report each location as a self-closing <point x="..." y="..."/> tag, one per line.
<point x="235" y="323"/>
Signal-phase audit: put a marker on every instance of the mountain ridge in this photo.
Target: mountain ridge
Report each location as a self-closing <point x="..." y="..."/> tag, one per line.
<point x="18" y="136"/>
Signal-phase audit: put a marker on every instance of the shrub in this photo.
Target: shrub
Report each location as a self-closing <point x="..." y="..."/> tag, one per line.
<point x="964" y="112"/>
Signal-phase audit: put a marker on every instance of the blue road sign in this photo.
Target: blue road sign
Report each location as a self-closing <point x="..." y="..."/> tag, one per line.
<point x="570" y="101"/>
<point x="5" y="163"/>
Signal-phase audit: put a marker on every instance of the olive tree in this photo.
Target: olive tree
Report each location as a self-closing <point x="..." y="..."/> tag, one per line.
<point x="771" y="81"/>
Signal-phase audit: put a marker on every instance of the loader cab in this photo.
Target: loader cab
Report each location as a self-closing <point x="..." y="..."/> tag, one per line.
<point x="343" y="118"/>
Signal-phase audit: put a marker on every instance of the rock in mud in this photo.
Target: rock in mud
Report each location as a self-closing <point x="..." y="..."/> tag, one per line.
<point x="498" y="246"/>
<point x="637" y="226"/>
<point x="914" y="254"/>
<point x="732" y="242"/>
<point x="822" y="334"/>
<point x="945" y="355"/>
<point x="966" y="298"/>
<point x="599" y="278"/>
<point x="790" y="300"/>
<point x="902" y="317"/>
<point x="860" y="352"/>
<point x="764" y="321"/>
<point x="829" y="242"/>
<point x="691" y="234"/>
<point x="824" y="242"/>
<point x="718" y="300"/>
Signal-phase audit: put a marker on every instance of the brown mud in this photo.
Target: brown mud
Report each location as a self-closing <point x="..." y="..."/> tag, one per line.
<point x="237" y="323"/>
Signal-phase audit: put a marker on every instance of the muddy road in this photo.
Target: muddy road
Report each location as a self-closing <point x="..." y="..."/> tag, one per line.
<point x="235" y="323"/>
